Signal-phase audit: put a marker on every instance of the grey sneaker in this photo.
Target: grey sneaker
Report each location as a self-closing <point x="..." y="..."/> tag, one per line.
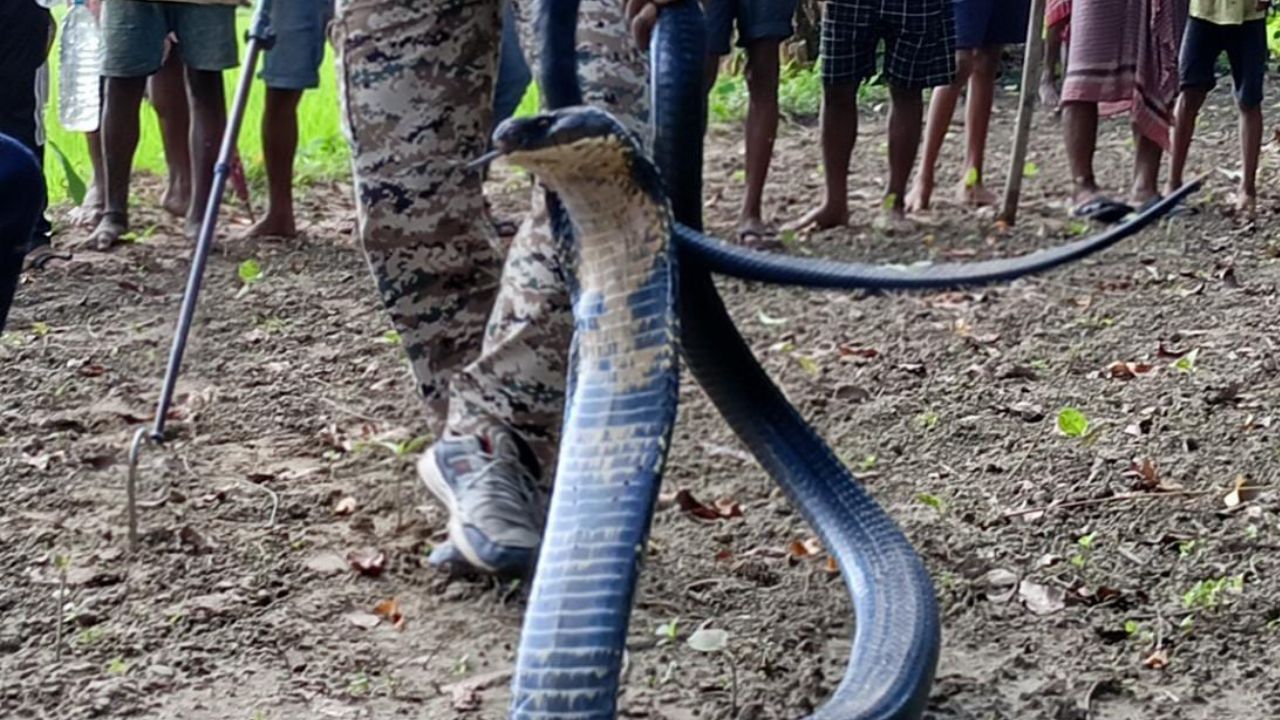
<point x="489" y="486"/>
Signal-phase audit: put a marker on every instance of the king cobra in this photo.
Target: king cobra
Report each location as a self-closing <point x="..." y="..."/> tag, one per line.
<point x="640" y="278"/>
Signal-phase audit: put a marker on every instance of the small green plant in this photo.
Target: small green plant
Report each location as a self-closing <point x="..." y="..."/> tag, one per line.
<point x="1039" y="364"/>
<point x="1187" y="548"/>
<point x="1085" y="543"/>
<point x="932" y="501"/>
<point x="927" y="420"/>
<point x="868" y="463"/>
<point x="90" y="635"/>
<point x="249" y="273"/>
<point x="39" y="329"/>
<point x="1030" y="169"/>
<point x="1208" y="594"/>
<point x="462" y="665"/>
<point x="1131" y="627"/>
<point x="668" y="632"/>
<point x="890" y="201"/>
<point x="390" y="337"/>
<point x="75" y="184"/>
<point x="117" y="666"/>
<point x="1186" y="363"/>
<point x="971" y="178"/>
<point x="359" y="684"/>
<point x="1072" y="422"/>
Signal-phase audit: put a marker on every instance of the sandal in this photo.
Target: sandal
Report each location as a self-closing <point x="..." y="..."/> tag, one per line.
<point x="1102" y="209"/>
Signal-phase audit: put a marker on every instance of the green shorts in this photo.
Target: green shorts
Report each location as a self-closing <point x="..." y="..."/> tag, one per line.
<point x="133" y="34"/>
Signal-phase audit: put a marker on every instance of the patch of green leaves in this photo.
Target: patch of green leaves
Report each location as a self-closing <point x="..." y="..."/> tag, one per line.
<point x="927" y="420"/>
<point x="390" y="337"/>
<point x="117" y="666"/>
<point x="971" y="178"/>
<point x="1030" y="169"/>
<point x="75" y="184"/>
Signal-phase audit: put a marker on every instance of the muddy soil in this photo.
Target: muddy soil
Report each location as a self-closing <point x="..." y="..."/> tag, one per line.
<point x="1111" y="576"/>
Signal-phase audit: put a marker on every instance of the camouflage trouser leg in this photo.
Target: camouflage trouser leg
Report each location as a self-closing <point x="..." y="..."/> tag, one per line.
<point x="417" y="84"/>
<point x="519" y="377"/>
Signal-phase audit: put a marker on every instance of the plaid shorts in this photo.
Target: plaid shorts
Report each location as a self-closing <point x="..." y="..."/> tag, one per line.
<point x="919" y="38"/>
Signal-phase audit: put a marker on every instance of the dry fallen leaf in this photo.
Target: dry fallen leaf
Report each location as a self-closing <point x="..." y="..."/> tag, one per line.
<point x="804" y="548"/>
<point x="389" y="609"/>
<point x="1240" y="492"/>
<point x="1157" y="660"/>
<point x="849" y="351"/>
<point x="1042" y="599"/>
<point x="831" y="567"/>
<point x="367" y="561"/>
<point x="723" y="508"/>
<point x="345" y="506"/>
<point x="1121" y="370"/>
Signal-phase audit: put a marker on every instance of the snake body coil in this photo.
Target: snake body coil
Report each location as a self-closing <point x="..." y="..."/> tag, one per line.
<point x="628" y="227"/>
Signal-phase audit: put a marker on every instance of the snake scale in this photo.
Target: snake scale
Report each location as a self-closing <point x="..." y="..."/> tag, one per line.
<point x="643" y="295"/>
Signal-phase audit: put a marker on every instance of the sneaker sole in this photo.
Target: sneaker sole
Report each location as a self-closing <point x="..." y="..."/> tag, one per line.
<point x="429" y="471"/>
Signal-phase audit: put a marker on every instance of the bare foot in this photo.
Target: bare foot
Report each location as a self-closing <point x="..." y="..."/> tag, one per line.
<point x="1050" y="98"/>
<point x="1247" y="205"/>
<point x="976" y="196"/>
<point x="90" y="210"/>
<point x="824" y="217"/>
<point x="920" y="196"/>
<point x="892" y="221"/>
<point x="177" y="199"/>
<point x="271" y="226"/>
<point x="110" y="228"/>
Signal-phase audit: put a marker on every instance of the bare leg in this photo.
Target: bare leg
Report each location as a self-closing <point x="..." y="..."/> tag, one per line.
<point x="1146" y="170"/>
<point x="762" y="128"/>
<point x="906" y="118"/>
<point x="1184" y="128"/>
<point x="1250" y="147"/>
<point x="119" y="141"/>
<point x="1080" y="134"/>
<point x="1050" y="98"/>
<point x="942" y="108"/>
<point x="279" y="144"/>
<point x="208" y="118"/>
<point x="839" y="134"/>
<point x="982" y="92"/>
<point x="90" y="211"/>
<point x="168" y="95"/>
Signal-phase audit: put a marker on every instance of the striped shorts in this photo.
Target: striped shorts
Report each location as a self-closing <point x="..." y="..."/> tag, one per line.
<point x="919" y="42"/>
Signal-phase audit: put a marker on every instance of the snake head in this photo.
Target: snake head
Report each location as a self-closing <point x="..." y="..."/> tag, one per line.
<point x="579" y="141"/>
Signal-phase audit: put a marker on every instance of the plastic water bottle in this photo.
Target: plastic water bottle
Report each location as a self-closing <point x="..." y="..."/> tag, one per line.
<point x="80" y="56"/>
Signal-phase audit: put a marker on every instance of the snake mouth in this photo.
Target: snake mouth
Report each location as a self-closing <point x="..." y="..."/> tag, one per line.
<point x="485" y="159"/>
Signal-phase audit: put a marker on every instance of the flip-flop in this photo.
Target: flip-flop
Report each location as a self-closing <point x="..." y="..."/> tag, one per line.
<point x="756" y="240"/>
<point x="1102" y="209"/>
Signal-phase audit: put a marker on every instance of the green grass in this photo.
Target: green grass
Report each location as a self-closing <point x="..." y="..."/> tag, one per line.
<point x="799" y="94"/>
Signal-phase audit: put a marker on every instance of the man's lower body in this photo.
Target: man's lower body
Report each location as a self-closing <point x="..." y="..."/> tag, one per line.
<point x="25" y="33"/>
<point x="1123" y="59"/>
<point x="487" y="337"/>
<point x="1246" y="48"/>
<point x="290" y="67"/>
<point x="983" y="28"/>
<point x="22" y="197"/>
<point x="919" y="40"/>
<point x="133" y="33"/>
<point x="761" y="27"/>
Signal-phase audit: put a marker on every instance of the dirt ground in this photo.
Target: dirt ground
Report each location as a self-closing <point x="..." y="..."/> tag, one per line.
<point x="1111" y="576"/>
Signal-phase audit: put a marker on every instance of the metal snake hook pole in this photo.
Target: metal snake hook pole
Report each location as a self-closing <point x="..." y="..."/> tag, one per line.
<point x="259" y="38"/>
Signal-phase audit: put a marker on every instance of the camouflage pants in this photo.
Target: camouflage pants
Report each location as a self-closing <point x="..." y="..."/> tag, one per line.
<point x="487" y="339"/>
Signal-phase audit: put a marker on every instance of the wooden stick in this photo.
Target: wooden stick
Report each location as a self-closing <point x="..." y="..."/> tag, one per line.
<point x="1031" y="65"/>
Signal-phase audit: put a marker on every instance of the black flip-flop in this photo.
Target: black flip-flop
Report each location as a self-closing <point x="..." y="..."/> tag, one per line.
<point x="1102" y="209"/>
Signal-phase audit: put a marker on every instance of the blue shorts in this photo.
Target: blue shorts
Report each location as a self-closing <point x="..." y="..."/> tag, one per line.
<point x="293" y="63"/>
<point x="1246" y="49"/>
<point x="756" y="20"/>
<point x="980" y="23"/>
<point x="133" y="33"/>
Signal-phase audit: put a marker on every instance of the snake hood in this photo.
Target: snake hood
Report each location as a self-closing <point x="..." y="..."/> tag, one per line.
<point x="576" y="144"/>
